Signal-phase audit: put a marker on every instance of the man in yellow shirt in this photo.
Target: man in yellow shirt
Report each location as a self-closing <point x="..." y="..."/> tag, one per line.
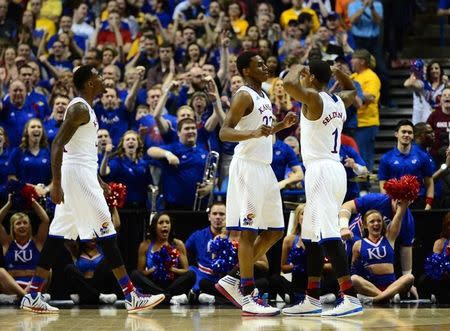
<point x="368" y="114"/>
<point x="42" y="23"/>
<point x="297" y="9"/>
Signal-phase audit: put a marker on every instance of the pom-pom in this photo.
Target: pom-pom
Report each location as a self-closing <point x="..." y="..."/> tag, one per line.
<point x="163" y="260"/>
<point x="405" y="188"/>
<point x="117" y="195"/>
<point x="297" y="258"/>
<point x="224" y="255"/>
<point x="22" y="194"/>
<point x="417" y="67"/>
<point x="436" y="266"/>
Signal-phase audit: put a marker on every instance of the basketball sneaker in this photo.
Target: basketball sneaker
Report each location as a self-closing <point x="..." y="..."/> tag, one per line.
<point x="229" y="287"/>
<point x="136" y="302"/>
<point x="306" y="307"/>
<point x="253" y="305"/>
<point x="347" y="306"/>
<point x="35" y="303"/>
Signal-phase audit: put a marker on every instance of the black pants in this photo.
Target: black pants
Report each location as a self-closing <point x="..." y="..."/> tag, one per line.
<point x="181" y="284"/>
<point x="280" y="285"/>
<point x="89" y="289"/>
<point x="130" y="235"/>
<point x="440" y="288"/>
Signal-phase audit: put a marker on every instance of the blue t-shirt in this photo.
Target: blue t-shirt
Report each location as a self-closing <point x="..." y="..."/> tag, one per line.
<point x="38" y="103"/>
<point x="197" y="245"/>
<point x="4" y="157"/>
<point x="394" y="164"/>
<point x="365" y="27"/>
<point x="352" y="122"/>
<point x="153" y="136"/>
<point x="30" y="168"/>
<point x="136" y="176"/>
<point x="65" y="65"/>
<point x="179" y="183"/>
<point x="51" y="128"/>
<point x="13" y="119"/>
<point x="352" y="187"/>
<point x="283" y="157"/>
<point x="444" y="4"/>
<point x="382" y="203"/>
<point x="116" y="121"/>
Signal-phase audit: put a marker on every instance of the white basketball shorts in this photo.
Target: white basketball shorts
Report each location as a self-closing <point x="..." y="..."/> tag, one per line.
<point x="253" y="197"/>
<point x="84" y="212"/>
<point x="325" y="187"/>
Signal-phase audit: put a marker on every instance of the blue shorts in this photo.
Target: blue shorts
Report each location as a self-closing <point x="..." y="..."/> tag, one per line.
<point x="381" y="281"/>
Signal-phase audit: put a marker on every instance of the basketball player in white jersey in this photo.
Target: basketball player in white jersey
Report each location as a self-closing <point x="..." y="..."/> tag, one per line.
<point x="321" y="123"/>
<point x="81" y="206"/>
<point x="253" y="197"/>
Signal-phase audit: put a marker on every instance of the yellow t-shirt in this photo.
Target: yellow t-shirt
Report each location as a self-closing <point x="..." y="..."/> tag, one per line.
<point x="47" y="25"/>
<point x="291" y="14"/>
<point x="51" y="9"/>
<point x="368" y="114"/>
<point x="240" y="27"/>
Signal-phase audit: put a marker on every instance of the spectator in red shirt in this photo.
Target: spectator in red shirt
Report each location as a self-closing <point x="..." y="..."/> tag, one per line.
<point x="114" y="32"/>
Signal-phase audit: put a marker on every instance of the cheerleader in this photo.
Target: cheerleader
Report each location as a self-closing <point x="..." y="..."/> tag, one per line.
<point x="373" y="258"/>
<point x="177" y="280"/>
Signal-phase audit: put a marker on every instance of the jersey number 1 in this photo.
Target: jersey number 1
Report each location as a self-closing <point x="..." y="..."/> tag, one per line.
<point x="335" y="134"/>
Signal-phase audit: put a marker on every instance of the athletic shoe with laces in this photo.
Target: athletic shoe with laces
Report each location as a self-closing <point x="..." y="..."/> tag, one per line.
<point x="107" y="298"/>
<point x="309" y="306"/>
<point x="135" y="301"/>
<point x="229" y="287"/>
<point x="35" y="303"/>
<point x="253" y="305"/>
<point x="181" y="299"/>
<point x="207" y="299"/>
<point x="347" y="306"/>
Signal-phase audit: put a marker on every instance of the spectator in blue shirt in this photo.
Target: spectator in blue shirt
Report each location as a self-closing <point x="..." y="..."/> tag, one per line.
<point x="351" y="228"/>
<point x="36" y="100"/>
<point x="60" y="103"/>
<point x="104" y="143"/>
<point x="30" y="162"/>
<point x="197" y="248"/>
<point x="16" y="112"/>
<point x="405" y="160"/>
<point x="366" y="17"/>
<point x="354" y="166"/>
<point x="284" y="157"/>
<point x="182" y="168"/>
<point x="130" y="168"/>
<point x="4" y="156"/>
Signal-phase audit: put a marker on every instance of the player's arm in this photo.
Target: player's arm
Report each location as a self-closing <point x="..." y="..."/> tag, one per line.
<point x="241" y="105"/>
<point x="289" y="120"/>
<point x="355" y="251"/>
<point x="307" y="96"/>
<point x="348" y="92"/>
<point x="77" y="114"/>
<point x="346" y="212"/>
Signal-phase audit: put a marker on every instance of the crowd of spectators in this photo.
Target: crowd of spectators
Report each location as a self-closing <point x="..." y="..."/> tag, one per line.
<point x="169" y="68"/>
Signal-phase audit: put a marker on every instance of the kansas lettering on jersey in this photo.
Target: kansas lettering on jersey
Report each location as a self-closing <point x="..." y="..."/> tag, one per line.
<point x="82" y="147"/>
<point x="321" y="139"/>
<point x="256" y="149"/>
<point x="24" y="257"/>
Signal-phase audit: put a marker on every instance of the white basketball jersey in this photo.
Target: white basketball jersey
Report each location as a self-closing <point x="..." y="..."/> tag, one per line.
<point x="82" y="147"/>
<point x="321" y="139"/>
<point x="257" y="149"/>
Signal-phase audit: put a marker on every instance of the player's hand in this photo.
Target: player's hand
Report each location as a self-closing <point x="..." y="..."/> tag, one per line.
<point x="290" y="119"/>
<point x="262" y="131"/>
<point x="346" y="234"/>
<point x="57" y="194"/>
